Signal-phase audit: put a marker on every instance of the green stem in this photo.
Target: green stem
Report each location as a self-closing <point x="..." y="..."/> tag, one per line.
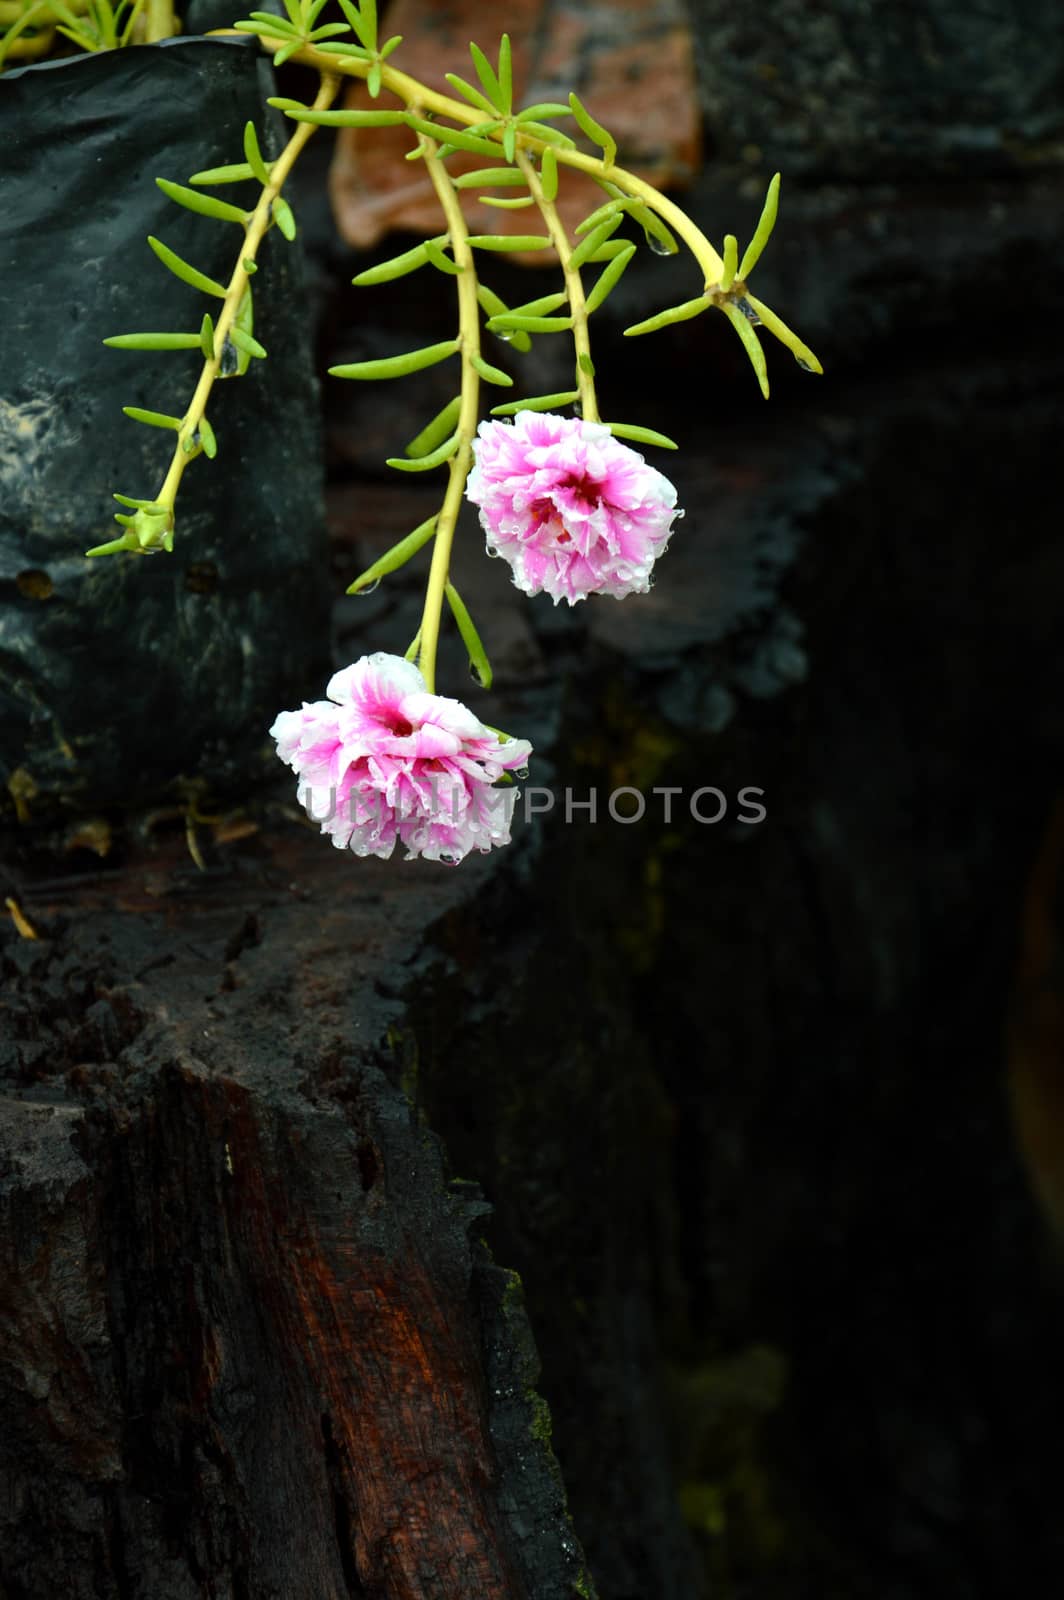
<point x="36" y="13"/>
<point x="411" y="92"/>
<point x="462" y="460"/>
<point x="257" y="226"/>
<point x="159" y="21"/>
<point x="585" y="382"/>
<point x="131" y="22"/>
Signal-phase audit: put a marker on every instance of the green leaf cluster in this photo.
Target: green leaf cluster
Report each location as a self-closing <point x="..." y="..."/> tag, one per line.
<point x="520" y="155"/>
<point x="299" y="30"/>
<point x="226" y="347"/>
<point x="729" y="294"/>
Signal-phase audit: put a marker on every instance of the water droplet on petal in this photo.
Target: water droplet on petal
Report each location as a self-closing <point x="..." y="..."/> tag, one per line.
<point x="748" y="311"/>
<point x="474" y="673"/>
<point x="449" y="861"/>
<point x="369" y="587"/>
<point x="659" y="247"/>
<point x="520" y="772"/>
<point x="492" y="552"/>
<point x="804" y="365"/>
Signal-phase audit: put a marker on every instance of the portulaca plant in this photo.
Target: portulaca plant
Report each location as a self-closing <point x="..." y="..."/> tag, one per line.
<point x="575" y="510"/>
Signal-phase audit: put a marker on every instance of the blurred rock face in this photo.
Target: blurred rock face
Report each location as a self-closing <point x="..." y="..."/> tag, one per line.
<point x="632" y="64"/>
<point x="860" y="91"/>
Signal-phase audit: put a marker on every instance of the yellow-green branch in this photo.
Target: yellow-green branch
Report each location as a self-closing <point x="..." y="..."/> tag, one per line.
<point x="411" y="92"/>
<point x="585" y="381"/>
<point x="11" y="44"/>
<point x="257" y="227"/>
<point x="160" y="21"/>
<point x="468" y="414"/>
<point x="259" y="221"/>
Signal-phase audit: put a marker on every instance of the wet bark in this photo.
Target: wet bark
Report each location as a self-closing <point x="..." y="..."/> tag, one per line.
<point x="251" y="1342"/>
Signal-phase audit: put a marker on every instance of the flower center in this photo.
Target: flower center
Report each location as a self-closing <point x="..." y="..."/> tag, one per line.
<point x="583" y="488"/>
<point x="400" y="727"/>
<point x="584" y="491"/>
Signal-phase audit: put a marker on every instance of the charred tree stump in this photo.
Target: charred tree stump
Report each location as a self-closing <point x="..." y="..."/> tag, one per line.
<point x="251" y="1343"/>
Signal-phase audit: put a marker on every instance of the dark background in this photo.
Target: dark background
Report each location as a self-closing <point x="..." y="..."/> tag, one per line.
<point x="741" y="1096"/>
<point x="771" y="1117"/>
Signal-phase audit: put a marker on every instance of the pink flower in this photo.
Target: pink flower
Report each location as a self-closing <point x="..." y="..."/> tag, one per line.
<point x="574" y="511"/>
<point x="382" y="759"/>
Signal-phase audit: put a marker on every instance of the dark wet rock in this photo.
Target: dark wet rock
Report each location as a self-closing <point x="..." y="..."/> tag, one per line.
<point x="126" y="679"/>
